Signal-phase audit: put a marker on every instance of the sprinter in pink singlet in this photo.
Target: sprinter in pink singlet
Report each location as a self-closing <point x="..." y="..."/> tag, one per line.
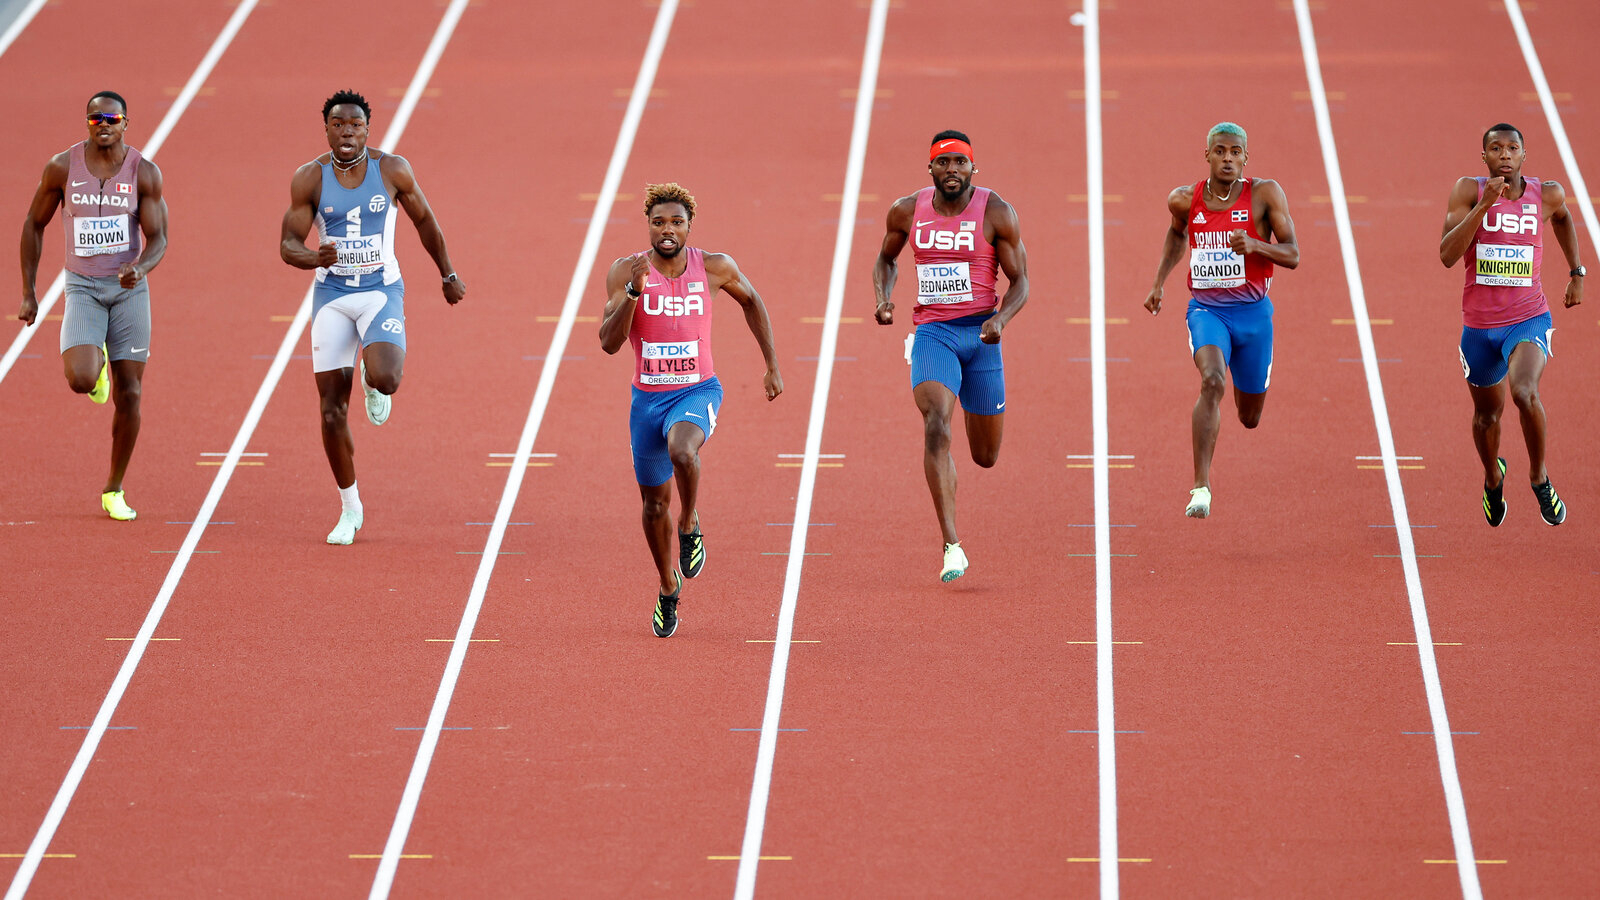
<point x="961" y="236"/>
<point x="1234" y="229"/>
<point x="659" y="300"/>
<point x="116" y="224"/>
<point x="1497" y="223"/>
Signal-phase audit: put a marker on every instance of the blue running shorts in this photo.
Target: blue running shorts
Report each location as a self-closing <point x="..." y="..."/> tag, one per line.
<point x="1486" y="352"/>
<point x="1243" y="333"/>
<point x="951" y="354"/>
<point x="652" y="415"/>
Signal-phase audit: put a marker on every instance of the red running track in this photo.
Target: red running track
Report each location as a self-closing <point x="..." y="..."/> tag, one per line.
<point x="948" y="745"/>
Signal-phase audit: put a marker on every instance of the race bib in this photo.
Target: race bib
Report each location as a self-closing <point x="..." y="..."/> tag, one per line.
<point x="669" y="362"/>
<point x="669" y="379"/>
<point x="1215" y="267"/>
<point x="943" y="283"/>
<point x="1505" y="265"/>
<point x="358" y="255"/>
<point x="100" y="235"/>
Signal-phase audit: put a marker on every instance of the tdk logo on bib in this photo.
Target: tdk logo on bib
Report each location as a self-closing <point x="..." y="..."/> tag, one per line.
<point x="1509" y="224"/>
<point x="671" y="350"/>
<point x="945" y="240"/>
<point x="656" y="305"/>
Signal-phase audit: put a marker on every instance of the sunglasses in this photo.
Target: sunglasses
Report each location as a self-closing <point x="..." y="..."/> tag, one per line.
<point x="97" y="118"/>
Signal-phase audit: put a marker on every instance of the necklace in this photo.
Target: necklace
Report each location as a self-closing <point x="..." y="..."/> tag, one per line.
<point x="1225" y="197"/>
<point x="363" y="158"/>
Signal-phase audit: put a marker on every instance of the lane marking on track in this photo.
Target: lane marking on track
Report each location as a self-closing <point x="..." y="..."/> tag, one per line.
<point x="849" y="209"/>
<point x="757" y="729"/>
<point x="1105" y="717"/>
<point x="119" y="686"/>
<point x="1578" y="189"/>
<point x="1453" y="732"/>
<point x="1082" y="320"/>
<point x="108" y="727"/>
<point x="153" y="640"/>
<point x="1129" y="643"/>
<point x="1444" y="748"/>
<point x="770" y="641"/>
<point x="1369" y="321"/>
<point x="150" y="149"/>
<point x="777" y="858"/>
<point x="1095" y="859"/>
<point x="1097" y="731"/>
<point x="46" y="856"/>
<point x="15" y="29"/>
<point x="1435" y="643"/>
<point x="402" y="856"/>
<point x="1451" y="862"/>
<point x="406" y="810"/>
<point x="469" y="640"/>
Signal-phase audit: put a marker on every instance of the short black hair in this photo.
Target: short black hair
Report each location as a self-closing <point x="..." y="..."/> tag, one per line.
<point x="110" y="95"/>
<point x="948" y="134"/>
<point x="343" y="97"/>
<point x="1501" y="127"/>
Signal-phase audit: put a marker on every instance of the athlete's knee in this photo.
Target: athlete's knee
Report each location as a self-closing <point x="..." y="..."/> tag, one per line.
<point x="1485" y="419"/>
<point x="125" y="392"/>
<point x="82" y="382"/>
<point x="335" y="412"/>
<point x="685" y="457"/>
<point x="936" y="433"/>
<point x="986" y="457"/>
<point x="1525" y="396"/>
<point x="1212" y="384"/>
<point x="384" y="382"/>
<point x="1250" y="418"/>
<point x="657" y="506"/>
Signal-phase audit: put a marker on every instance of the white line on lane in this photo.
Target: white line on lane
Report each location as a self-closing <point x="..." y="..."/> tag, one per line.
<point x="412" y="794"/>
<point x="108" y="708"/>
<point x="157" y="139"/>
<point x="1444" y="746"/>
<point x="1105" y="725"/>
<point x="1580" y="190"/>
<point x="19" y="23"/>
<point x="755" y="820"/>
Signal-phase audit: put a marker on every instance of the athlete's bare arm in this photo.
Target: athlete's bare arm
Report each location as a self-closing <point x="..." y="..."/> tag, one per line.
<point x="1173" y="245"/>
<point x="152" y="223"/>
<point x="46" y="198"/>
<point x="1565" y="229"/>
<point x="305" y="190"/>
<point x="1465" y="213"/>
<point x="397" y="172"/>
<point x="618" y="318"/>
<point x="724" y="274"/>
<point x="885" y="271"/>
<point x="1000" y="220"/>
<point x="1277" y="227"/>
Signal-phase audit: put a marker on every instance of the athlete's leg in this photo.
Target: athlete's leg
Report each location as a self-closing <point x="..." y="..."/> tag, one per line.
<point x="82" y="364"/>
<point x="1206" y="419"/>
<point x="684" y="440"/>
<point x="983" y="436"/>
<point x="1527" y="366"/>
<point x="1249" y="407"/>
<point x="386" y="364"/>
<point x="333" y="388"/>
<point x="657" y="522"/>
<point x="937" y="404"/>
<point x="1487" y="405"/>
<point x="127" y="380"/>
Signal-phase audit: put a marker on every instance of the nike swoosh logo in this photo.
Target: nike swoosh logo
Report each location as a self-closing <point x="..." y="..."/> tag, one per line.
<point x="929" y="222"/>
<point x="696" y="415"/>
<point x="1001" y="406"/>
<point x="137" y="349"/>
<point x="652" y="284"/>
<point x="79" y="183"/>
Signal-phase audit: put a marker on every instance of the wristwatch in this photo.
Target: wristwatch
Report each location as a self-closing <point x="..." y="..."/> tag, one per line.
<point x="633" y="292"/>
<point x="1579" y="272"/>
<point x="451" y="278"/>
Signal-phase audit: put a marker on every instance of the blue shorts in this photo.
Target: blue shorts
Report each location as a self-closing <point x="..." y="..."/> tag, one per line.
<point x="1486" y="352"/>
<point x="951" y="354"/>
<point x="1244" y="335"/>
<point x="652" y="415"/>
<point x="342" y="322"/>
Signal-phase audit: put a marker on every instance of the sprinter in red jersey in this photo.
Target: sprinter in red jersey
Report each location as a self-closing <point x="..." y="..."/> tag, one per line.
<point x="1498" y="221"/>
<point x="961" y="236"/>
<point x="660" y="301"/>
<point x="1235" y="229"/>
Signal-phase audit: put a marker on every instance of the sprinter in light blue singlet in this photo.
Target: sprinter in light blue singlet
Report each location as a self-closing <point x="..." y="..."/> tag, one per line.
<point x="350" y="194"/>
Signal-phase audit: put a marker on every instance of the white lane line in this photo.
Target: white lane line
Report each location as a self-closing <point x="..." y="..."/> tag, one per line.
<point x="1105" y="725"/>
<point x="19" y="23"/>
<point x="761" y="786"/>
<point x="1455" y="803"/>
<point x="108" y="707"/>
<point x="412" y="794"/>
<point x="1578" y="190"/>
<point x="157" y="139"/>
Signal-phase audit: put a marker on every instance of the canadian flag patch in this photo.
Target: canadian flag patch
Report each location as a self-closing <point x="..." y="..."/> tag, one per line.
<point x="1199" y="218"/>
<point x="124" y="188"/>
<point x="1241" y="215"/>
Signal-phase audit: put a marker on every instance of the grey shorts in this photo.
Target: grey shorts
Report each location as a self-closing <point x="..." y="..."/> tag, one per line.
<point x="102" y="311"/>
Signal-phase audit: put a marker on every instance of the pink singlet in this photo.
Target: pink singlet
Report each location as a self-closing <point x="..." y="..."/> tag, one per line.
<point x="1502" y="262"/>
<point x="671" y="329"/>
<point x="101" y="216"/>
<point x="956" y="267"/>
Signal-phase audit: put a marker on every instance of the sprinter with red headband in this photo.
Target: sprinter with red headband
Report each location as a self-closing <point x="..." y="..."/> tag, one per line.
<point x="963" y="236"/>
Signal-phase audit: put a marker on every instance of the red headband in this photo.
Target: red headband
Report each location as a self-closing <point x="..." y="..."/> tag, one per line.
<point x="951" y="145"/>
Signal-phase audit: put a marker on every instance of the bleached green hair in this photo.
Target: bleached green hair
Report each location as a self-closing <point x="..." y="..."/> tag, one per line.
<point x="1226" y="128"/>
